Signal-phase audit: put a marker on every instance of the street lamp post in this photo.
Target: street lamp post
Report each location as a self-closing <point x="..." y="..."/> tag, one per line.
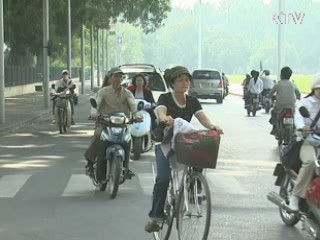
<point x="281" y="40"/>
<point x="199" y="36"/>
<point x="2" y="99"/>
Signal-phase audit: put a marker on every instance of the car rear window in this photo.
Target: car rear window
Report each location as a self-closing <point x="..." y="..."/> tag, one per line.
<point x="156" y="82"/>
<point x="206" y="75"/>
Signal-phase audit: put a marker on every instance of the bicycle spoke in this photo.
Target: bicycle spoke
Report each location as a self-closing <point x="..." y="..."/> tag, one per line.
<point x="194" y="209"/>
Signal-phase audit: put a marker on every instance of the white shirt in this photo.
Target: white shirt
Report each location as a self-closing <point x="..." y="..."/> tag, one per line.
<point x="312" y="103"/>
<point x="267" y="82"/>
<point x="255" y="88"/>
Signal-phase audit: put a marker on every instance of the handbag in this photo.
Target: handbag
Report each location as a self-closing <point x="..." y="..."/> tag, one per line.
<point x="290" y="156"/>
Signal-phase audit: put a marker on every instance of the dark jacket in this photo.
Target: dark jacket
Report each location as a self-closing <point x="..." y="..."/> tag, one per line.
<point x="148" y="96"/>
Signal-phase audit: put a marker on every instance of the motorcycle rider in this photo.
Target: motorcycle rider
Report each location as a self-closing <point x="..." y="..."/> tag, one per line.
<point x="225" y="83"/>
<point x="67" y="83"/>
<point x="267" y="81"/>
<point x="245" y="84"/>
<point x="308" y="155"/>
<point x="171" y="105"/>
<point x="286" y="95"/>
<point x="140" y="91"/>
<point x="255" y="85"/>
<point x="113" y="98"/>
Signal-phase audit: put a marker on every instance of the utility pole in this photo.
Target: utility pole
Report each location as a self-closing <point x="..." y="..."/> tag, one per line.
<point x="69" y="37"/>
<point x="281" y="40"/>
<point x="98" y="59"/>
<point x="46" y="58"/>
<point x="82" y="58"/>
<point x="2" y="99"/>
<point x="91" y="56"/>
<point x="199" y="36"/>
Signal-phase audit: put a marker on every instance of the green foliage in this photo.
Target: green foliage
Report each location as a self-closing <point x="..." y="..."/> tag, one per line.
<point x="24" y="22"/>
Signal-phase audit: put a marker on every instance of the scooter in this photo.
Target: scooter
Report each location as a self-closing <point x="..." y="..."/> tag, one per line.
<point x="266" y="100"/>
<point x="253" y="106"/>
<point x="309" y="208"/>
<point x="141" y="131"/>
<point x="114" y="145"/>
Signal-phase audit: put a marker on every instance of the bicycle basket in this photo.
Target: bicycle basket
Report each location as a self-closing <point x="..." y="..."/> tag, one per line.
<point x="198" y="149"/>
<point x="61" y="103"/>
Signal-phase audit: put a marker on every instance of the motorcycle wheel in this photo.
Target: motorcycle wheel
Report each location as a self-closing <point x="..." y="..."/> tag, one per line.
<point x="289" y="218"/>
<point x="254" y="110"/>
<point x="114" y="172"/>
<point x="137" y="148"/>
<point x="60" y="120"/>
<point x="267" y="107"/>
<point x="248" y="111"/>
<point x="64" y="121"/>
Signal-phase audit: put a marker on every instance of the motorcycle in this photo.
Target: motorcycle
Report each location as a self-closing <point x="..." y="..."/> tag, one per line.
<point x="285" y="126"/>
<point x="309" y="208"/>
<point x="266" y="100"/>
<point x="115" y="140"/>
<point x="141" y="131"/>
<point x="62" y="111"/>
<point x="253" y="105"/>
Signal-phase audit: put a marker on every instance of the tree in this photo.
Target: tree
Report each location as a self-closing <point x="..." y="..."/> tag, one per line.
<point x="24" y="22"/>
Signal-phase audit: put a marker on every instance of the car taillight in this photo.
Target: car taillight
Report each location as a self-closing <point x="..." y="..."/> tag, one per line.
<point x="287" y="113"/>
<point x="220" y="84"/>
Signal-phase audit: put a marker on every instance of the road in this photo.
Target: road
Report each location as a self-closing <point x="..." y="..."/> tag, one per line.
<point x="44" y="194"/>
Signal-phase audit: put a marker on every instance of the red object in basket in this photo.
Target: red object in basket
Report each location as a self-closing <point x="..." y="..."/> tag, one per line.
<point x="198" y="149"/>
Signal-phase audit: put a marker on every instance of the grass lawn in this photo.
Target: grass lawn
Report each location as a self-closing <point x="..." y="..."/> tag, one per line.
<point x="302" y="81"/>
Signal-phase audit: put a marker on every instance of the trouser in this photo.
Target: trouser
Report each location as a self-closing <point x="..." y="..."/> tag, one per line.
<point x="161" y="185"/>
<point x="92" y="152"/>
<point x="72" y="105"/>
<point x="274" y="116"/>
<point x="308" y="155"/>
<point x="102" y="161"/>
<point x="53" y="106"/>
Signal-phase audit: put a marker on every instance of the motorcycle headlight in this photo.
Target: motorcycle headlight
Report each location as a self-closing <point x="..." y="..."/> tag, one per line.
<point x="117" y="120"/>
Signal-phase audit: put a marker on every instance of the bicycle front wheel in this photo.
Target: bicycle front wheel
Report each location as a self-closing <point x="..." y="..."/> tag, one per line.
<point x="194" y="208"/>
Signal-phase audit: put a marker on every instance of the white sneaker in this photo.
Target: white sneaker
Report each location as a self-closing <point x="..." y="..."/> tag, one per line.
<point x="294" y="203"/>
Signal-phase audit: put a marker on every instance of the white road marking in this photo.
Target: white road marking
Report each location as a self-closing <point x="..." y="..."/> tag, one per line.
<point x="146" y="182"/>
<point x="79" y="185"/>
<point x="11" y="184"/>
<point x="223" y="183"/>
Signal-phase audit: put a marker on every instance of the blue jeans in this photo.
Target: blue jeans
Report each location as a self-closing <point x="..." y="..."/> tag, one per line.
<point x="161" y="186"/>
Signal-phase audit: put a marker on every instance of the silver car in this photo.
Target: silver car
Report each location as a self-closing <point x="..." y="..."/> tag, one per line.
<point x="207" y="84"/>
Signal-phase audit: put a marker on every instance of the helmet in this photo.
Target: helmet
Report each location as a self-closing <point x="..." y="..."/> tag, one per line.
<point x="64" y="72"/>
<point x="316" y="82"/>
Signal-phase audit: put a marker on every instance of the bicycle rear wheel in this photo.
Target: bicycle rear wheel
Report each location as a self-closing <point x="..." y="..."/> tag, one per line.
<point x="166" y="225"/>
<point x="194" y="208"/>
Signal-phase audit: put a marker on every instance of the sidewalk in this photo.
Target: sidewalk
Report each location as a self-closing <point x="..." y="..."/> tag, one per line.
<point x="24" y="110"/>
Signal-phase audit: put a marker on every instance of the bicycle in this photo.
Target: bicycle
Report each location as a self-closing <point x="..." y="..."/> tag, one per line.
<point x="189" y="201"/>
<point x="63" y="110"/>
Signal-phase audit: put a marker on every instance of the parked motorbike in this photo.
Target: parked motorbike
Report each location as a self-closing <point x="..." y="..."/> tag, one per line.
<point x="266" y="100"/>
<point x="141" y="131"/>
<point x="62" y="111"/>
<point x="309" y="208"/>
<point x="285" y="126"/>
<point x="115" y="139"/>
<point x="253" y="105"/>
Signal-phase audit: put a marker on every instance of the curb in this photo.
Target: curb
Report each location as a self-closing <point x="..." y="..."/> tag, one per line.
<point x="40" y="117"/>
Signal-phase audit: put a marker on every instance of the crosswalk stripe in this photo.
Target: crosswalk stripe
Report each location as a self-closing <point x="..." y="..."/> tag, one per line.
<point x="11" y="184"/>
<point x="222" y="183"/>
<point x="146" y="182"/>
<point x="79" y="185"/>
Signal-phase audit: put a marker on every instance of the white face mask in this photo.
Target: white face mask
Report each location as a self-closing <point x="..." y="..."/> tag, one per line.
<point x="65" y="77"/>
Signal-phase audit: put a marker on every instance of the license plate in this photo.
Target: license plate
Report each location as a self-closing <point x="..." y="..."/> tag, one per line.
<point x="288" y="121"/>
<point x="255" y="100"/>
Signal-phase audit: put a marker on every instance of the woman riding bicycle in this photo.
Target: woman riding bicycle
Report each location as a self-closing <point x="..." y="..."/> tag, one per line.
<point x="175" y="104"/>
